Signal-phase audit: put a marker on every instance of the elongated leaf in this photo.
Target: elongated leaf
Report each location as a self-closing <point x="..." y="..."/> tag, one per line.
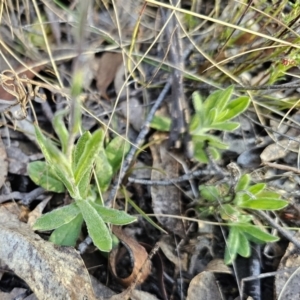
<point x="244" y="246"/>
<point x="113" y="216"/>
<point x="79" y="148"/>
<point x="57" y="218"/>
<point x="236" y="107"/>
<point x="161" y="123"/>
<point x="199" y="152"/>
<point x="224" y="98"/>
<point x="257" y="233"/>
<point x="104" y="171"/>
<point x="42" y="174"/>
<point x="197" y="102"/>
<point x="50" y="151"/>
<point x="209" y="193"/>
<point x="196" y="125"/>
<point x="243" y="183"/>
<point x="224" y="126"/>
<point x="216" y="142"/>
<point x="210" y="118"/>
<point x="232" y="245"/>
<point x="198" y="118"/>
<point x="84" y="184"/>
<point x="229" y="212"/>
<point x="115" y="152"/>
<point x="89" y="154"/>
<point x="58" y="162"/>
<point x="268" y="194"/>
<point x="212" y="140"/>
<point x="211" y="101"/>
<point x="67" y="234"/>
<point x="68" y="181"/>
<point x="214" y="152"/>
<point x="256" y="188"/>
<point x="264" y="204"/>
<point x="144" y="215"/>
<point x="97" y="229"/>
<point x="61" y="129"/>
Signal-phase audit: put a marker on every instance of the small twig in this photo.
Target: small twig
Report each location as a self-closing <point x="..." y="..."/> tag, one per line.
<point x="26" y="198"/>
<point x="273" y="130"/>
<point x="255" y="270"/>
<point x="266" y="275"/>
<point x="144" y="131"/>
<point x="281" y="167"/>
<point x="82" y="247"/>
<point x="171" y="181"/>
<point x="281" y="230"/>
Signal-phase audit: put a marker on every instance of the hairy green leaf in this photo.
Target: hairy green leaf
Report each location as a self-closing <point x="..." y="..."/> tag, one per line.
<point x="211" y="101"/>
<point x="79" y="148"/>
<point x="67" y="234"/>
<point x="113" y="216"/>
<point x="209" y="193"/>
<point x="115" y="152"/>
<point x="224" y="99"/>
<point x="56" y="218"/>
<point x="268" y="194"/>
<point x="161" y="123"/>
<point x="224" y="126"/>
<point x="196" y="125"/>
<point x="257" y="233"/>
<point x="104" y="171"/>
<point x="236" y="107"/>
<point x="243" y="183"/>
<point x="244" y="246"/>
<point x="61" y="129"/>
<point x="42" y="174"/>
<point x="210" y="118"/>
<point x="88" y="156"/>
<point x="97" y="229"/>
<point x="197" y="102"/>
<point x="264" y="204"/>
<point x="58" y="162"/>
<point x="256" y="188"/>
<point x="232" y="245"/>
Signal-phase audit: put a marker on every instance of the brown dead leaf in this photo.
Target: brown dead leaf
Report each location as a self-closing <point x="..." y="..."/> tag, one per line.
<point x="5" y="95"/>
<point x="165" y="199"/>
<point x="287" y="280"/>
<point x="139" y="256"/>
<point x="217" y="265"/>
<point x="168" y="248"/>
<point x="134" y="111"/>
<point x="3" y="163"/>
<point x="108" y="66"/>
<point x="204" y="287"/>
<point x="278" y="150"/>
<point x="38" y="211"/>
<point x="52" y="272"/>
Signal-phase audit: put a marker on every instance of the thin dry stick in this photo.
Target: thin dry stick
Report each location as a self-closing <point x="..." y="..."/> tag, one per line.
<point x="144" y="131"/>
<point x="281" y="167"/>
<point x="171" y="181"/>
<point x="281" y="230"/>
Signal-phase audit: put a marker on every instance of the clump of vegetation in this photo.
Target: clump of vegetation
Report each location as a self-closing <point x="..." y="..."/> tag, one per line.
<point x="89" y="159"/>
<point x="234" y="206"/>
<point x="212" y="114"/>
